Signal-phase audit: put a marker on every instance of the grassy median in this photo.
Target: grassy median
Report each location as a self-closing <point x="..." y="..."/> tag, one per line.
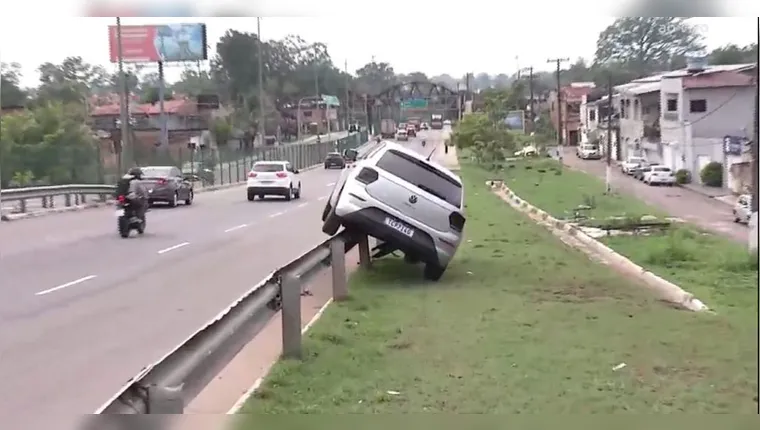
<point x="519" y="323"/>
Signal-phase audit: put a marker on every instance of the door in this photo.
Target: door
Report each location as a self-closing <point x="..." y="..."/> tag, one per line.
<point x="573" y="137"/>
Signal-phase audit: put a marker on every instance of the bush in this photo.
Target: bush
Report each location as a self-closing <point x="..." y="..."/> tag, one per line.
<point x="683" y="176"/>
<point x="712" y="174"/>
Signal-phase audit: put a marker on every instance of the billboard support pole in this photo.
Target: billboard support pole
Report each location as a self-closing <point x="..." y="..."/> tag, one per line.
<point x="123" y="101"/>
<point x="162" y="117"/>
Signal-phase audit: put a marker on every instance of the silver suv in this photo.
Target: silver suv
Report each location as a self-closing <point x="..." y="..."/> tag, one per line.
<point x="399" y="197"/>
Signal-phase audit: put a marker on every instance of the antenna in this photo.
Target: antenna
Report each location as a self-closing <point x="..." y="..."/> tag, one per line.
<point x="431" y="154"/>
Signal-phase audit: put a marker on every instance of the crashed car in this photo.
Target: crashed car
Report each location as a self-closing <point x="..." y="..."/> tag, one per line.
<point x="408" y="203"/>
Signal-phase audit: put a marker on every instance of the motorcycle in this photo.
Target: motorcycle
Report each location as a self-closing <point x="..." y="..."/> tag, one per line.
<point x="126" y="219"/>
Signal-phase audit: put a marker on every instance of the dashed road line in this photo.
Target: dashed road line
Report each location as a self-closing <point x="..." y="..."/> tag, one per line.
<point x="66" y="285"/>
<point x="172" y="248"/>
<point x="274" y="215"/>
<point x="302" y="205"/>
<point x="237" y="227"/>
<point x="322" y="198"/>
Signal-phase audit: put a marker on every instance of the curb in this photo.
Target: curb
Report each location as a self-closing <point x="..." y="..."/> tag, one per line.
<point x="572" y="235"/>
<point x="715" y="198"/>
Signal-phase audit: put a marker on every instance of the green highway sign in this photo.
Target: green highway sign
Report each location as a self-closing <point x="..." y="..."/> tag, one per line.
<point x="414" y="104"/>
<point x="330" y="100"/>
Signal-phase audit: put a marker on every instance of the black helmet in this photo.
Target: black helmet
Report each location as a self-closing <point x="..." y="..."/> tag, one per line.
<point x="136" y="172"/>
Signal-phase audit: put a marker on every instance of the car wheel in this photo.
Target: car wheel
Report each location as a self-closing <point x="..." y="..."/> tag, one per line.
<point x="331" y="223"/>
<point x="175" y="199"/>
<point x="433" y="272"/>
<point x="289" y="193"/>
<point x="298" y="192"/>
<point x="326" y="167"/>
<point x="251" y="195"/>
<point x="190" y="197"/>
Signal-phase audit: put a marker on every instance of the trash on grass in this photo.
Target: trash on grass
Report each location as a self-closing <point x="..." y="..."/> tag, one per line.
<point x="619" y="366"/>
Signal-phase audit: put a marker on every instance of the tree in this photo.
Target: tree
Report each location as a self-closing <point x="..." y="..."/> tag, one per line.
<point x="374" y="77"/>
<point x="645" y="44"/>
<point x="193" y="82"/>
<point x="733" y="54"/>
<point x="68" y="82"/>
<point x="11" y="93"/>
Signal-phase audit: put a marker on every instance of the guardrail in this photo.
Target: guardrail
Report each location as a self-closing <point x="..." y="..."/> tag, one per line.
<point x="301" y="155"/>
<point x="167" y="386"/>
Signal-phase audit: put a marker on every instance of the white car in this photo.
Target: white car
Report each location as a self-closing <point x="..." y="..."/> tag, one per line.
<point x="273" y="178"/>
<point x="659" y="175"/>
<point x="447" y="123"/>
<point x="588" y="152"/>
<point x="743" y="209"/>
<point x="631" y="164"/>
<point x="402" y="134"/>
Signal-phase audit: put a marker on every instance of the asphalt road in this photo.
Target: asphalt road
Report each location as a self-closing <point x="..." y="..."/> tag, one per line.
<point x="708" y="213"/>
<point x="83" y="310"/>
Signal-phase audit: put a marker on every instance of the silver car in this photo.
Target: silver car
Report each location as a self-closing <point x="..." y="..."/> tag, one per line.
<point x="409" y="203"/>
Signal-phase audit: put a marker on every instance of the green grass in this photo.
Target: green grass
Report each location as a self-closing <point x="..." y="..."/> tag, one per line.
<point x="519" y="323"/>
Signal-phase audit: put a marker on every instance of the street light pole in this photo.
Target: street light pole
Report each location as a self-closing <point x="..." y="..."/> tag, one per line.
<point x="262" y="124"/>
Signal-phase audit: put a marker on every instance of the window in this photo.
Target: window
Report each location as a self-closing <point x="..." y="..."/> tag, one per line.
<point x="423" y="175"/>
<point x="268" y="167"/>
<point x="698" y="106"/>
<point x="592" y="115"/>
<point x="157" y="172"/>
<point x="636" y="109"/>
<point x="672" y="105"/>
<point x="176" y="172"/>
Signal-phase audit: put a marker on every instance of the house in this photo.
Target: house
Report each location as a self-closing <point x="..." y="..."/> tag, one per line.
<point x="570" y="101"/>
<point x="638" y="105"/>
<point x="707" y="115"/>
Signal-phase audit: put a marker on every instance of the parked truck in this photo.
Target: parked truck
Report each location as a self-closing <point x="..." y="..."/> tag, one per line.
<point x="436" y="121"/>
<point x="387" y="128"/>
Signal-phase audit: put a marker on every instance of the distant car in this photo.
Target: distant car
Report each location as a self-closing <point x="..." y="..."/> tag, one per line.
<point x="638" y="172"/>
<point x="350" y="156"/>
<point x="403" y="200"/>
<point x="586" y="151"/>
<point x="334" y="159"/>
<point x="167" y="184"/>
<point x="424" y="126"/>
<point x="402" y="135"/>
<point x="659" y="175"/>
<point x="743" y="209"/>
<point x="353" y="128"/>
<point x="411" y="131"/>
<point x="632" y="163"/>
<point x="273" y="178"/>
<point x="447" y="122"/>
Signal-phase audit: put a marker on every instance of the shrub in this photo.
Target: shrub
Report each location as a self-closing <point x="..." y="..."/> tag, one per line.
<point x="712" y="174"/>
<point x="683" y="176"/>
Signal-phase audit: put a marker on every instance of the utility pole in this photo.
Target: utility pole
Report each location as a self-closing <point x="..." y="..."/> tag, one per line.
<point x="559" y="62"/>
<point x="262" y="124"/>
<point x="348" y="101"/>
<point x="753" y="219"/>
<point x="530" y="89"/>
<point x="123" y="101"/>
<point x="608" y="169"/>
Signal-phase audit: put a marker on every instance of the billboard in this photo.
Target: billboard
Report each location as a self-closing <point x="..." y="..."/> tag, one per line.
<point x="515" y="120"/>
<point x="154" y="43"/>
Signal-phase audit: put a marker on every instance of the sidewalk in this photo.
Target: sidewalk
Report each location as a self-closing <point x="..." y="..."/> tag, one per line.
<point x="722" y="195"/>
<point x="448" y="160"/>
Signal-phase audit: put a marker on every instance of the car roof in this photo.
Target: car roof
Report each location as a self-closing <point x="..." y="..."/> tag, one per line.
<point x="401" y="148"/>
<point x="271" y="162"/>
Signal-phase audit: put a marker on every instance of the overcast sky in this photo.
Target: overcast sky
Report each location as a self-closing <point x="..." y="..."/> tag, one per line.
<point x="415" y="42"/>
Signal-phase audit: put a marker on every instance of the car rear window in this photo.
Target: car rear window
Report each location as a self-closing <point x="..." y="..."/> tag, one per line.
<point x="661" y="169"/>
<point x="268" y="167"/>
<point x="156" y="172"/>
<point x="423" y="175"/>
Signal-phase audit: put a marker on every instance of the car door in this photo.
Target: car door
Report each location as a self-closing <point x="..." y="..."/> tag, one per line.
<point x="180" y="185"/>
<point x="291" y="174"/>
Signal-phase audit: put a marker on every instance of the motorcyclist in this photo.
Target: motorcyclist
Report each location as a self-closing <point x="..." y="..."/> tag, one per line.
<point x="131" y="187"/>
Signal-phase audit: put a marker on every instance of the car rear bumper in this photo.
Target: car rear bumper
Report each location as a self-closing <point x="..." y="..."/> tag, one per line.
<point x="334" y="164"/>
<point x="160" y="195"/>
<point x="656" y="180"/>
<point x="269" y="191"/>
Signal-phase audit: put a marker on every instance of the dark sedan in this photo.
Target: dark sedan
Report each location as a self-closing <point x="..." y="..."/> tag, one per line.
<point x="334" y="159"/>
<point x="166" y="184"/>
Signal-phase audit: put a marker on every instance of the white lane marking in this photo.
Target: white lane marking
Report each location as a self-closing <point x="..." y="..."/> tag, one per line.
<point x="172" y="248"/>
<point x="302" y="205"/>
<point x="276" y="214"/>
<point x="66" y="285"/>
<point x="322" y="198"/>
<point x="237" y="227"/>
<point x="331" y="184"/>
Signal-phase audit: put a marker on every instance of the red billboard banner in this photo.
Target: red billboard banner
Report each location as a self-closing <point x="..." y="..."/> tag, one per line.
<point x="154" y="43"/>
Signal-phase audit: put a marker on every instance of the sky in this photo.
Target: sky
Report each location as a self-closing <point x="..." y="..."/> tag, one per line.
<point x="431" y="42"/>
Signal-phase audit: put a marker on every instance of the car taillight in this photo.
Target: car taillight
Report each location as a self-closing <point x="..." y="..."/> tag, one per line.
<point x="161" y="181"/>
<point x="456" y="221"/>
<point x="282" y="175"/>
<point x="367" y="176"/>
<point x="251" y="174"/>
<point x="121" y="199"/>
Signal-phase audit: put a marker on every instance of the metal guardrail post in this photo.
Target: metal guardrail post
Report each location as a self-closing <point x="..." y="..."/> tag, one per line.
<point x="291" y="316"/>
<point x="338" y="265"/>
<point x="364" y="256"/>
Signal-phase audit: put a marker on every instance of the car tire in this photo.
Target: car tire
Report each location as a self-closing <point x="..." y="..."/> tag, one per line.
<point x="174" y="201"/>
<point x="433" y="272"/>
<point x="298" y="192"/>
<point x="190" y="197"/>
<point x="251" y="195"/>
<point x="289" y="193"/>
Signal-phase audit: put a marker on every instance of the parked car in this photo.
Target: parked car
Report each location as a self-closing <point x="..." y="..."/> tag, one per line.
<point x="638" y="172"/>
<point x="659" y="175"/>
<point x="588" y="152"/>
<point x="334" y="159"/>
<point x="402" y="135"/>
<point x="743" y="209"/>
<point x="632" y="163"/>
<point x="405" y="201"/>
<point x="273" y="178"/>
<point x="167" y="184"/>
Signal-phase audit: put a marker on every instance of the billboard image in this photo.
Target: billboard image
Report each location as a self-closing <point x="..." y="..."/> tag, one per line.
<point x="154" y="43"/>
<point x="515" y="120"/>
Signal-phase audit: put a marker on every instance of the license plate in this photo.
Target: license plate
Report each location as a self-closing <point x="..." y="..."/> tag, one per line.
<point x="266" y="182"/>
<point x="399" y="227"/>
<point x="119" y="213"/>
